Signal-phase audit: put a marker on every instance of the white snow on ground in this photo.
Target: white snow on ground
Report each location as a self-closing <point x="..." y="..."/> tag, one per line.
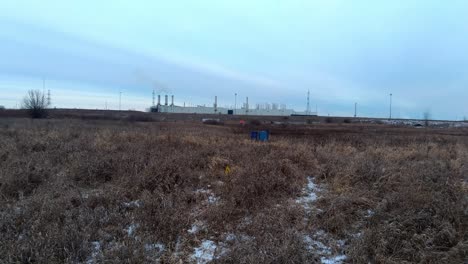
<point x="131" y="229"/>
<point x="316" y="246"/>
<point x="326" y="253"/>
<point x="310" y="194"/>
<point x="205" y="252"/>
<point x="132" y="204"/>
<point x="208" y="250"/>
<point x="316" y="241"/>
<point x="369" y="213"/>
<point x="333" y="260"/>
<point x="158" y="247"/>
<point x="211" y="197"/>
<point x="196" y="227"/>
<point x="94" y="253"/>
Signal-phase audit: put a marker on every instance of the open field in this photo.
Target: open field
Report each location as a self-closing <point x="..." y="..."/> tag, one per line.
<point x="113" y="191"/>
<point x="90" y="114"/>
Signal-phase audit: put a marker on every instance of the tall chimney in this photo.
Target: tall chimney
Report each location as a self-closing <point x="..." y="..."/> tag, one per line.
<point x="159" y="99"/>
<point x="165" y="100"/>
<point x="216" y="104"/>
<point x="247" y="105"/>
<point x="172" y="100"/>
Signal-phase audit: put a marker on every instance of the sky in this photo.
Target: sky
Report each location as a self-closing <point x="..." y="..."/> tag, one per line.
<point x="344" y="52"/>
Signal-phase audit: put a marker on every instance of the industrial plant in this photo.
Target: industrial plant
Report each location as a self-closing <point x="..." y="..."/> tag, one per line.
<point x="245" y="108"/>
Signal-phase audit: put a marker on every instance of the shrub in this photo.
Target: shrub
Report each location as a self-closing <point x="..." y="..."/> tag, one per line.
<point x="36" y="104"/>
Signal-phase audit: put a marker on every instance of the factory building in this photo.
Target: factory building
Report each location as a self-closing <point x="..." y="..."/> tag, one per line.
<point x="258" y="110"/>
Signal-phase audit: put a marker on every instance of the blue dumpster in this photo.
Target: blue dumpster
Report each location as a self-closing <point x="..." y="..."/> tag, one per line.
<point x="263" y="136"/>
<point x="254" y="135"/>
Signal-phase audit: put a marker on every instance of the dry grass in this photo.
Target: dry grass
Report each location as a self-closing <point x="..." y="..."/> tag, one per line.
<point x="66" y="185"/>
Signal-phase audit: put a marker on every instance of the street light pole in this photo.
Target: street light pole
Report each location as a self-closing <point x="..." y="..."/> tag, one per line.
<point x="390" y="106"/>
<point x="355" y="109"/>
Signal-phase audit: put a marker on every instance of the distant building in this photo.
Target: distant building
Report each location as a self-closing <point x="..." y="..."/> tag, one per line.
<point x="244" y="110"/>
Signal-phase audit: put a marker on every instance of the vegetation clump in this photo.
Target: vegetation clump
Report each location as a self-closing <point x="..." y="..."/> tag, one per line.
<point x="36" y="103"/>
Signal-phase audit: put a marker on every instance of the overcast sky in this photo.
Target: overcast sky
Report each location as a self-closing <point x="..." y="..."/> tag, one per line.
<point x="272" y="51"/>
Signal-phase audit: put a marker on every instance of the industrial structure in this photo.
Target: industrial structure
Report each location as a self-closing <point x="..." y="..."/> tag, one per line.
<point x="259" y="110"/>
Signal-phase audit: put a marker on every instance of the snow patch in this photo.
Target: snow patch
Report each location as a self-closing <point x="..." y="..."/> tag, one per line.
<point x="131" y="229"/>
<point x="196" y="227"/>
<point x="96" y="251"/>
<point x="133" y="204"/>
<point x="317" y="246"/>
<point x="152" y="247"/>
<point x="369" y="213"/>
<point x="205" y="252"/>
<point x="325" y="252"/>
<point x="320" y="241"/>
<point x="333" y="260"/>
<point x="211" y="197"/>
<point x="310" y="194"/>
<point x="230" y="237"/>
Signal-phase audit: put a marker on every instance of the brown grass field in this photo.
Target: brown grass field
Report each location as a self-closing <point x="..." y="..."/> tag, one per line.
<point x="110" y="191"/>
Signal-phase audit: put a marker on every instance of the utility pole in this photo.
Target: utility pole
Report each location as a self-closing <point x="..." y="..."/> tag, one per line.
<point x="48" y="98"/>
<point x="120" y="100"/>
<point x="308" y="102"/>
<point x="355" y="109"/>
<point x="235" y="103"/>
<point x="391" y="106"/>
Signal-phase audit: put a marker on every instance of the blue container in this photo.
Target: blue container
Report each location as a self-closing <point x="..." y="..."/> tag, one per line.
<point x="263" y="136"/>
<point x="254" y="135"/>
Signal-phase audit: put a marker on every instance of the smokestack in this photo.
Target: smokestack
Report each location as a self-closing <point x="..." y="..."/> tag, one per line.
<point x="165" y="100"/>
<point x="172" y="100"/>
<point x="159" y="99"/>
<point x="247" y="105"/>
<point x="216" y="104"/>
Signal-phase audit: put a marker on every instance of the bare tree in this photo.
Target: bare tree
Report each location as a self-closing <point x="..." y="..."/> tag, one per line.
<point x="36" y="104"/>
